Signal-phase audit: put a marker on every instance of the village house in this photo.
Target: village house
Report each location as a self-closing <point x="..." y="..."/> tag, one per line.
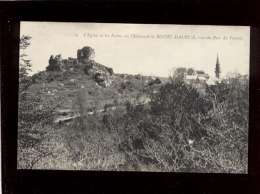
<point x="197" y="80"/>
<point x="200" y="79"/>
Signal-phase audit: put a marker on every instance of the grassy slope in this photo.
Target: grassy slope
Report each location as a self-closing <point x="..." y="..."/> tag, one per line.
<point x="59" y="145"/>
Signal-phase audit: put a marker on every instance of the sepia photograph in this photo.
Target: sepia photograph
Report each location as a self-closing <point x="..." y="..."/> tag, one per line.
<point x="133" y="97"/>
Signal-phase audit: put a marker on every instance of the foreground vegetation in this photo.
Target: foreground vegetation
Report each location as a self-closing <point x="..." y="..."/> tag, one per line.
<point x="179" y="130"/>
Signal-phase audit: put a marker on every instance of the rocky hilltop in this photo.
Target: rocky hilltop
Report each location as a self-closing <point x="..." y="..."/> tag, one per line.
<point x="79" y="86"/>
<point x="84" y="62"/>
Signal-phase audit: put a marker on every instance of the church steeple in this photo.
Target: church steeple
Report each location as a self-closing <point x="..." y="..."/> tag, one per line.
<point x="217" y="68"/>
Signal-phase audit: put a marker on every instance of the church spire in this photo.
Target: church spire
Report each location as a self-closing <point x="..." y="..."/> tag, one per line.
<point x="217" y="59"/>
<point x="217" y="68"/>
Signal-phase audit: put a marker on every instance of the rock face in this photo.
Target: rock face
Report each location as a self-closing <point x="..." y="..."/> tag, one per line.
<point x="92" y="67"/>
<point x="103" y="79"/>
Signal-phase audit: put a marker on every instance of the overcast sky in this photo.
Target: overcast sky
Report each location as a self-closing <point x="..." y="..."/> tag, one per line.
<point x="155" y="49"/>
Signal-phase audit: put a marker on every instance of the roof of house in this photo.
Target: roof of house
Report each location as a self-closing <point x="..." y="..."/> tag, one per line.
<point x="202" y="78"/>
<point x="191" y="77"/>
<point x="199" y="77"/>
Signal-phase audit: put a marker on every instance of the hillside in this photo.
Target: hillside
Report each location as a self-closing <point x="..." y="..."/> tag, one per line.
<point x="83" y="85"/>
<point x="72" y="91"/>
<point x="80" y="115"/>
<point x="82" y="91"/>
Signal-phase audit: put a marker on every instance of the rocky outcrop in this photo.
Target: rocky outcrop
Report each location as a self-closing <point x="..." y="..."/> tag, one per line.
<point x="85" y="54"/>
<point x="70" y="63"/>
<point x="100" y="73"/>
<point x="84" y="62"/>
<point x="102" y="79"/>
<point x="92" y="67"/>
<point x="55" y="63"/>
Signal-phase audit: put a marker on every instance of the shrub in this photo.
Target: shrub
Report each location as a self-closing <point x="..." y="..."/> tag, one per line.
<point x="179" y="114"/>
<point x="179" y="101"/>
<point x="183" y="131"/>
<point x="35" y="118"/>
<point x="110" y="71"/>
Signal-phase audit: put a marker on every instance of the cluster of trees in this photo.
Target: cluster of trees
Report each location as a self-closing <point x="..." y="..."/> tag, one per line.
<point x="24" y="65"/>
<point x="184" y="131"/>
<point x="34" y="116"/>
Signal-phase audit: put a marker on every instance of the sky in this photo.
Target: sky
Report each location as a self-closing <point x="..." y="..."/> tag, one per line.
<point x="148" y="49"/>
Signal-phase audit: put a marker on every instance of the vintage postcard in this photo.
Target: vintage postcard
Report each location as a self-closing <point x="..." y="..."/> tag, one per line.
<point x="133" y="97"/>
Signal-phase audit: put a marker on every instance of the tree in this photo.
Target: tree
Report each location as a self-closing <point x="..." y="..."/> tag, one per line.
<point x="24" y="64"/>
<point x="179" y="73"/>
<point x="200" y="72"/>
<point x="190" y="71"/>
